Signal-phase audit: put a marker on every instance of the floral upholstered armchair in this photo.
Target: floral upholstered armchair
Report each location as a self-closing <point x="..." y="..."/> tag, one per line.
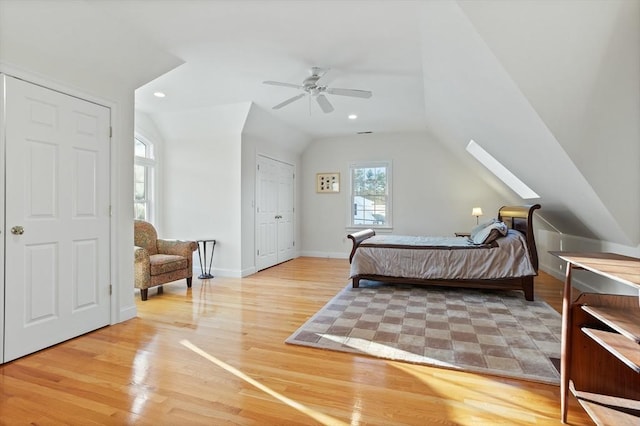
<point x="159" y="262"/>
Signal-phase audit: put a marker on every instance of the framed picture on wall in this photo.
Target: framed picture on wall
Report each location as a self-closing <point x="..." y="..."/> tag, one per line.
<point x="327" y="182"/>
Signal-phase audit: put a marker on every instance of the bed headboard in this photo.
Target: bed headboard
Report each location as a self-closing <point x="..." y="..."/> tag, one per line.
<point x="520" y="218"/>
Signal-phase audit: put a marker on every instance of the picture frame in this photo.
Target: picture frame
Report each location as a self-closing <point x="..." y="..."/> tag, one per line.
<point x="327" y="183"/>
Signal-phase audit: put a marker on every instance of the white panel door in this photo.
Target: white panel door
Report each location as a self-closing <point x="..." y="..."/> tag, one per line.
<point x="2" y="115"/>
<point x="274" y="212"/>
<point x="266" y="212"/>
<point x="57" y="217"/>
<point x="285" y="212"/>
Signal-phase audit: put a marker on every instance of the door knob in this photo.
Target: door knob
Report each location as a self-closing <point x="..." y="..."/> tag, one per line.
<point x="17" y="230"/>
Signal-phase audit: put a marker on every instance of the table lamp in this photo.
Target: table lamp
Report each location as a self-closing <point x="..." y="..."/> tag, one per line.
<point x="477" y="212"/>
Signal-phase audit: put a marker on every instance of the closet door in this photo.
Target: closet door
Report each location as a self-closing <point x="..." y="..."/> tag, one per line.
<point x="266" y="213"/>
<point x="57" y="217"/>
<point x="285" y="243"/>
<point x="2" y="230"/>
<point x="274" y="212"/>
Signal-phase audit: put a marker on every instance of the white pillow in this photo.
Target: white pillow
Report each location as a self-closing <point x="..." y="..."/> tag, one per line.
<point x="480" y="227"/>
<point x="481" y="236"/>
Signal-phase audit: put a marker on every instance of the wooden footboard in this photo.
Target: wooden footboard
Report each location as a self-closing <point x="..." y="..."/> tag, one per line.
<point x="521" y="283"/>
<point x="358" y="237"/>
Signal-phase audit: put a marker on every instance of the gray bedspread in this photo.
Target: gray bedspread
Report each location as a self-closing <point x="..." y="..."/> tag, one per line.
<point x="454" y="258"/>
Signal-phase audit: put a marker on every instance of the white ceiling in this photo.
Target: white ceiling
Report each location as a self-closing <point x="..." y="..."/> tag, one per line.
<point x="230" y="47"/>
<point x="542" y="85"/>
<point x="549" y="88"/>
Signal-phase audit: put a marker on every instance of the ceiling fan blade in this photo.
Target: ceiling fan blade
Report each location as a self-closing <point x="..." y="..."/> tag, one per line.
<point x="324" y="103"/>
<point x="349" y="92"/>
<point x="278" y="83"/>
<point x="288" y="101"/>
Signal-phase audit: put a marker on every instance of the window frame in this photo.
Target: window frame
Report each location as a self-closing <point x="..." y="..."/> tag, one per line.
<point x="387" y="164"/>
<point x="149" y="164"/>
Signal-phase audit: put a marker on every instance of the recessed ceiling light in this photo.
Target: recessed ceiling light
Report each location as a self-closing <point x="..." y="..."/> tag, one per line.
<point x="352" y="116"/>
<point x="159" y="94"/>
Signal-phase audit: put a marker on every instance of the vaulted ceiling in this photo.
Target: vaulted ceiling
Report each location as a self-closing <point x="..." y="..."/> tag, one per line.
<point x="231" y="47"/>
<point x="549" y="88"/>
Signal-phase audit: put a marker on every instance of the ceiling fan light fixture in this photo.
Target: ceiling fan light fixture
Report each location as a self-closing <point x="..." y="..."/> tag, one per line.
<point x="310" y="86"/>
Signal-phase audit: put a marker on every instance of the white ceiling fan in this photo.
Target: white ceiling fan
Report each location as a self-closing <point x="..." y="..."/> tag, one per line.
<point x="313" y="86"/>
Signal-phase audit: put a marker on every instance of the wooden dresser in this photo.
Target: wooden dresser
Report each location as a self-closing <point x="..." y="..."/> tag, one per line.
<point x="601" y="341"/>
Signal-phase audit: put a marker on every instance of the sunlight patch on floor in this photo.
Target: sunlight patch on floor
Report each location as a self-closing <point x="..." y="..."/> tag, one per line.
<point x="381" y="350"/>
<point x="506" y="405"/>
<point x="319" y="417"/>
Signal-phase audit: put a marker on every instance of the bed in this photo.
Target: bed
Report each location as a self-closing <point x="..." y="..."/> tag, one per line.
<point x="507" y="259"/>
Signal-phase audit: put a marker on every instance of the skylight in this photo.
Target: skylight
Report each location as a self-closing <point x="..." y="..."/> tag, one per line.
<point x="500" y="171"/>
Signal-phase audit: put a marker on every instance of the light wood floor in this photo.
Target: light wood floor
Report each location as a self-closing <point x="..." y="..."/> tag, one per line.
<point x="215" y="355"/>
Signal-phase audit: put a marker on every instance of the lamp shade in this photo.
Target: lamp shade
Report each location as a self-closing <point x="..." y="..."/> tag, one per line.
<point x="477" y="211"/>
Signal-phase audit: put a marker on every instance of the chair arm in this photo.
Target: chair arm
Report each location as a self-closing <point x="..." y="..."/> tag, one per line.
<point x="177" y="247"/>
<point x="141" y="268"/>
<point x="140" y="254"/>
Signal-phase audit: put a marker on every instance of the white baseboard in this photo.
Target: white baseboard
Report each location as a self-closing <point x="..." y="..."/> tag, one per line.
<point x="248" y="271"/>
<point x="126" y="313"/>
<point x="239" y="273"/>
<point x="221" y="272"/>
<point x="325" y="254"/>
<point x="575" y="282"/>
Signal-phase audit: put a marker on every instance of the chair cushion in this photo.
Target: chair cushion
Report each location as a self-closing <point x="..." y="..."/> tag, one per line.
<point x="163" y="263"/>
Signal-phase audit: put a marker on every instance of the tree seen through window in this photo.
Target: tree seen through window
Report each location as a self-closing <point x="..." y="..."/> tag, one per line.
<point x="370" y="195"/>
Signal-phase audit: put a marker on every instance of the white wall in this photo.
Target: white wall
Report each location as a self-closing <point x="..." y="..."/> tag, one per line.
<point x="264" y="135"/>
<point x="208" y="169"/>
<point x="202" y="179"/>
<point x="67" y="46"/>
<point x="551" y="90"/>
<point x="577" y="63"/>
<point x="432" y="193"/>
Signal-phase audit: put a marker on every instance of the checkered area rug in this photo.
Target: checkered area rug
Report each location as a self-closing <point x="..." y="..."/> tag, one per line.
<point x="483" y="331"/>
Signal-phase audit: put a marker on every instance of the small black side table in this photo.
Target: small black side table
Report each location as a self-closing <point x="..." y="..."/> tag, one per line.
<point x="206" y="273"/>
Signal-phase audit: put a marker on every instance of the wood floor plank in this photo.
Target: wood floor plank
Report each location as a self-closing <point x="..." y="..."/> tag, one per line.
<point x="146" y="371"/>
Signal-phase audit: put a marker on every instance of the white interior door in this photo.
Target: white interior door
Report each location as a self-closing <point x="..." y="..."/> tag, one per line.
<point x="266" y="212"/>
<point x="274" y="212"/>
<point x="2" y="199"/>
<point x="57" y="217"/>
<point x="285" y="242"/>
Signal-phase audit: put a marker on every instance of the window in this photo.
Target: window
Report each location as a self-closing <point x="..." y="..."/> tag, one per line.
<point x="143" y="173"/>
<point x="490" y="162"/>
<point x="370" y="202"/>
